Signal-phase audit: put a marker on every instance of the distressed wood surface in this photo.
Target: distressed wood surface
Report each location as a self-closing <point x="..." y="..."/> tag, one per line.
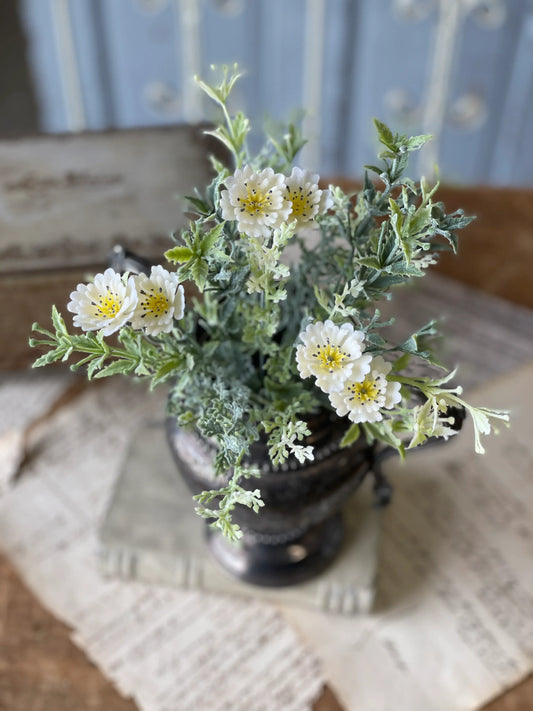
<point x="40" y="669"/>
<point x="26" y="299"/>
<point x="65" y="200"/>
<point x="496" y="250"/>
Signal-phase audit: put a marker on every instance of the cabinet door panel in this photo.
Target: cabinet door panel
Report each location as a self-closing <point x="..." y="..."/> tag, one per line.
<point x="45" y="64"/>
<point x="482" y="65"/>
<point x="143" y="61"/>
<point x="127" y="63"/>
<point x="390" y="56"/>
<point x="511" y="161"/>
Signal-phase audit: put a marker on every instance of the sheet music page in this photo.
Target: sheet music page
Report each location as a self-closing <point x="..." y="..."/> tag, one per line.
<point x="453" y="624"/>
<point x="24" y="397"/>
<point x="168" y="649"/>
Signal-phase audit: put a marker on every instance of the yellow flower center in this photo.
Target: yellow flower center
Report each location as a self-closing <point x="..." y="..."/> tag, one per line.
<point x="301" y="202"/>
<point x="256" y="201"/>
<point x="154" y="303"/>
<point x="329" y="356"/>
<point x="366" y="391"/>
<point x="108" y="305"/>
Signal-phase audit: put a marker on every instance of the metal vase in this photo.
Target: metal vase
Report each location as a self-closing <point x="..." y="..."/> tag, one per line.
<point x="299" y="530"/>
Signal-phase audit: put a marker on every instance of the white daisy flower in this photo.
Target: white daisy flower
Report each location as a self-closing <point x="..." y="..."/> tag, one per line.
<point x="362" y="400"/>
<point x="332" y="354"/>
<point x="105" y="305"/>
<point x="255" y="200"/>
<point x="160" y="301"/>
<point x="307" y="200"/>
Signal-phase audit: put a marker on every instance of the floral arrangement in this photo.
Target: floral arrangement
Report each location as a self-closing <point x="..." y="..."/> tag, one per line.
<point x="265" y="342"/>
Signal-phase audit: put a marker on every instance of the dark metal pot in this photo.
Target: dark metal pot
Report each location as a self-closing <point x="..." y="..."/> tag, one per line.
<point x="299" y="530"/>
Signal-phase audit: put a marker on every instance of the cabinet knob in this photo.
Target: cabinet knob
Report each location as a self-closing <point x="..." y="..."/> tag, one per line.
<point x="151" y="7"/>
<point x="490" y="14"/>
<point x="402" y="105"/>
<point x="229" y="7"/>
<point x="414" y="10"/>
<point x="163" y="99"/>
<point x="468" y="111"/>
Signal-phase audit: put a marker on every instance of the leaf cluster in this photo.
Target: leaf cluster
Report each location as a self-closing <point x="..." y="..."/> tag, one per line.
<point x="230" y="361"/>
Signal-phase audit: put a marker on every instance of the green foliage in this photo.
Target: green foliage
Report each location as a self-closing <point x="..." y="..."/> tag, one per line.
<point x="199" y="252"/>
<point x="438" y="399"/>
<point x="283" y="145"/>
<point x="351" y="435"/>
<point x="138" y="356"/>
<point x="284" y="435"/>
<point x="227" y="497"/>
<point x="234" y="130"/>
<point x="396" y="143"/>
<point x="384" y="431"/>
<point x="230" y="362"/>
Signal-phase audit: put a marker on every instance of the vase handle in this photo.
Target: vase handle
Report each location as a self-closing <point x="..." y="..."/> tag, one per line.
<point x="122" y="260"/>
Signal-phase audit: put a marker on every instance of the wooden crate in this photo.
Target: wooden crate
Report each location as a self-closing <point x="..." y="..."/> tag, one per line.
<point x="66" y="200"/>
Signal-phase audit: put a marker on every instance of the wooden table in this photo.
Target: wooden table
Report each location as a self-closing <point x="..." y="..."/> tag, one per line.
<point x="41" y="669"/>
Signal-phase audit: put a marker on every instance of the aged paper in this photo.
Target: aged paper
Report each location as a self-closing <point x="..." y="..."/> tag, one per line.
<point x="151" y="533"/>
<point x="168" y="649"/>
<point x="24" y="398"/>
<point x="453" y="625"/>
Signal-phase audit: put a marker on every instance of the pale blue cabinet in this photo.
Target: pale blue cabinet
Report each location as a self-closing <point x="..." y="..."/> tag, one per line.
<point x="483" y="67"/>
<point x="511" y="161"/>
<point x="390" y="55"/>
<point x="461" y="70"/>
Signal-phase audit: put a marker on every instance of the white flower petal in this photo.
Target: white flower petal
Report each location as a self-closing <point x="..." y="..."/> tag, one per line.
<point x="306" y="198"/>
<point x="332" y="354"/>
<point x="255" y="201"/>
<point x="160" y="301"/>
<point x="105" y="305"/>
<point x="326" y="202"/>
<point x="364" y="399"/>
